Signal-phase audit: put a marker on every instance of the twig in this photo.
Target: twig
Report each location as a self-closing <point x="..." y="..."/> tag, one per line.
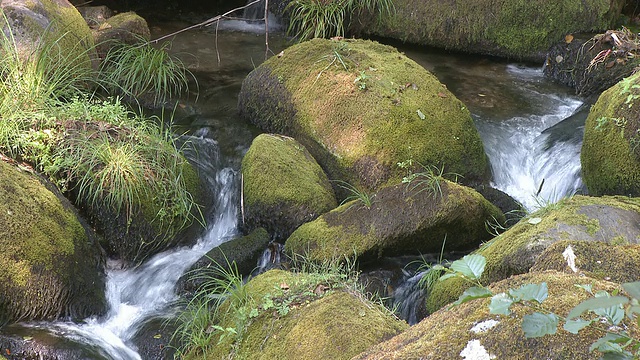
<point x="204" y="23"/>
<point x="266" y="29"/>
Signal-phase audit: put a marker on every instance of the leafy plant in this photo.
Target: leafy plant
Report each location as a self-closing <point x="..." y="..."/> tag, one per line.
<point x="328" y="18"/>
<point x="141" y="70"/>
<point x="603" y="312"/>
<point x="428" y="179"/>
<point x="361" y="80"/>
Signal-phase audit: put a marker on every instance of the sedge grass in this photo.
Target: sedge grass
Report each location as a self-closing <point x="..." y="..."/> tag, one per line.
<point x="328" y="18"/>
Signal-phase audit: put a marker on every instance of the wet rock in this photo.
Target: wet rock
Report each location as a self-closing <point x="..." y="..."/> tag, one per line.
<point x="243" y="251"/>
<point x="52" y="266"/>
<point x="591" y="64"/>
<point x="615" y="220"/>
<point x="515" y="29"/>
<point x="402" y="219"/>
<point x="610" y="155"/>
<point x="447" y="333"/>
<point x="283" y="186"/>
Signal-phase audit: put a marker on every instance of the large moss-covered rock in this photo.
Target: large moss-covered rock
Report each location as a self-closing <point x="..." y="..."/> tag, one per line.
<point x="283" y="186"/>
<point x="614" y="220"/>
<point x="50" y="266"/>
<point x="320" y="323"/>
<point x="402" y="219"/>
<point x="37" y="22"/>
<point x="610" y="154"/>
<point x="520" y="29"/>
<point x="360" y="107"/>
<point x="595" y="259"/>
<point x="454" y="333"/>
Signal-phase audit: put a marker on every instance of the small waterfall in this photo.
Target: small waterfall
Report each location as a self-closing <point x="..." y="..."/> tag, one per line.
<point x="135" y="295"/>
<point x="252" y="19"/>
<point x="408" y="297"/>
<point x="271" y="257"/>
<point x="525" y="163"/>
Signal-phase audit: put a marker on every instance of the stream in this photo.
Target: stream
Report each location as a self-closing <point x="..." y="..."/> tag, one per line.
<point x="517" y="111"/>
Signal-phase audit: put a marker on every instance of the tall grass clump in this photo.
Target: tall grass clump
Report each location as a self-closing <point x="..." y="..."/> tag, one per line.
<point x="55" y="115"/>
<point x="328" y="18"/>
<point x="139" y="71"/>
<point x="34" y="80"/>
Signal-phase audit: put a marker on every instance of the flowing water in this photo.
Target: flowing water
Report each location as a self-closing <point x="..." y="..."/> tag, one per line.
<point x="514" y="107"/>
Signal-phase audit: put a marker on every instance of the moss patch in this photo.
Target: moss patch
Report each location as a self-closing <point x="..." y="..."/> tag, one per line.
<point x="323" y="321"/>
<point x="284" y="186"/>
<point x="401" y="220"/>
<point x="360" y="107"/>
<point x="48" y="259"/>
<point x="518" y="29"/>
<point x="517" y="250"/>
<point x="443" y="335"/>
<point x="610" y="155"/>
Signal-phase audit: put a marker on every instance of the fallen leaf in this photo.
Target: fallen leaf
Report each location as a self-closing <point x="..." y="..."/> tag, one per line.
<point x="442" y="95"/>
<point x="157" y="336"/>
<point x="482" y="95"/>
<point x="280" y="54"/>
<point x="568" y="38"/>
<point x="534" y="221"/>
<point x="420" y="114"/>
<point x="105" y="26"/>
<point x="320" y="289"/>
<point x="284" y="286"/>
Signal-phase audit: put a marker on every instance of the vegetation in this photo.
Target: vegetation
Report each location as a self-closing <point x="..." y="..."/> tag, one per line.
<point x="224" y="306"/>
<point x="324" y="19"/>
<point x="139" y="70"/>
<point x="428" y="179"/>
<point x="603" y="312"/>
<point x="55" y="114"/>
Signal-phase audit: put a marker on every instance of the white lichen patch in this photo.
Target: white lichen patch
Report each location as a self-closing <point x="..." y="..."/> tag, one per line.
<point x="484" y="326"/>
<point x="475" y="351"/>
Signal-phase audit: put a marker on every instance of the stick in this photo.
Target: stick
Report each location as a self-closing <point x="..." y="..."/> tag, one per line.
<point x="204" y="23"/>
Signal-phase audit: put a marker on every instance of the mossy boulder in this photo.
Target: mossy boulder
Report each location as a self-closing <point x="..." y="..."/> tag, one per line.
<point x="51" y="266"/>
<point x="242" y="252"/>
<point x="151" y="226"/>
<point x="594" y="259"/>
<point x="614" y="220"/>
<point x="321" y="322"/>
<point x="571" y="61"/>
<point x="610" y="154"/>
<point x="283" y="186"/>
<point x="123" y="28"/>
<point x="451" y="333"/>
<point x="37" y="22"/>
<point x="519" y="29"/>
<point x="360" y="108"/>
<point x="402" y="219"/>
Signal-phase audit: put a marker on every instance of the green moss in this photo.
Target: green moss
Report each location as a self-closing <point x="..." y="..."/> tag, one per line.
<point x="516" y="250"/>
<point x="401" y="220"/>
<point x="610" y="155"/>
<point x="444" y="334"/>
<point x="278" y="169"/>
<point x="320" y="324"/>
<point x="598" y="260"/>
<point x="516" y="28"/>
<point x="359" y="136"/>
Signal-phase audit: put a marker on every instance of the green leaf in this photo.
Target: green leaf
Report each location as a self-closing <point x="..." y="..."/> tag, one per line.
<point x="500" y="304"/>
<point x="473" y="293"/>
<point x="470" y="266"/>
<point x="573" y="326"/>
<point x="625" y="355"/>
<point x="446" y="276"/>
<point x="586" y="287"/>
<point x="596" y="303"/>
<point x="528" y="292"/>
<point x="606" y="341"/>
<point x="538" y="325"/>
<point x="253" y="313"/>
<point x="633" y="289"/>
